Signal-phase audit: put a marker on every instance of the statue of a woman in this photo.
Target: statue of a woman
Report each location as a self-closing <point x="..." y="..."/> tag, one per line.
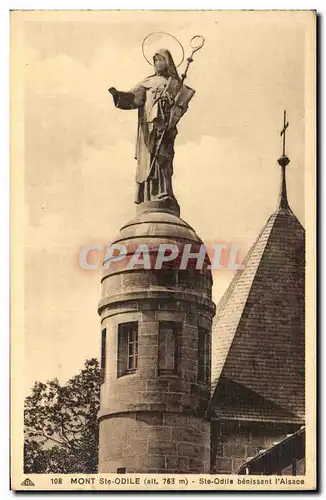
<point x="154" y="97"/>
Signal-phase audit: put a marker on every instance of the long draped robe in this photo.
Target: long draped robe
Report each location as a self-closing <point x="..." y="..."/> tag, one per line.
<point x="154" y="99"/>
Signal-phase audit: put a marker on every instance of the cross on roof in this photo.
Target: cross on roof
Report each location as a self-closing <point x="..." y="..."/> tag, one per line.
<point x="283" y="162"/>
<point x="285" y="126"/>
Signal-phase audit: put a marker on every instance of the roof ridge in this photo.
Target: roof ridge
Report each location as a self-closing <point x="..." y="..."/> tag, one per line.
<point x="236" y="279"/>
<point x="227" y="294"/>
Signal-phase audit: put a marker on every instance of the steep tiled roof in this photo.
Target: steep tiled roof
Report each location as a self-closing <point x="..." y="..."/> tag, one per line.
<point x="258" y="332"/>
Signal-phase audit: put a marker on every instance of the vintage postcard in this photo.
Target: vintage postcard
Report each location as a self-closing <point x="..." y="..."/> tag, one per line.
<point x="163" y="209"/>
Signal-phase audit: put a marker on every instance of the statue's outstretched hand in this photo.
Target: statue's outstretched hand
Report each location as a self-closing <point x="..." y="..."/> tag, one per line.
<point x="113" y="90"/>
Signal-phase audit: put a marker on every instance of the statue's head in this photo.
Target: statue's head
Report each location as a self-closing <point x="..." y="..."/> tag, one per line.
<point x="160" y="64"/>
<point x="164" y="64"/>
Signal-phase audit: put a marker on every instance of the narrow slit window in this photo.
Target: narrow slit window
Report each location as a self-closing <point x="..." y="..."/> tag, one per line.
<point x="103" y="355"/>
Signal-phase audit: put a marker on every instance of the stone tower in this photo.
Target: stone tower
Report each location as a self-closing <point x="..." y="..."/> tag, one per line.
<point x="156" y="352"/>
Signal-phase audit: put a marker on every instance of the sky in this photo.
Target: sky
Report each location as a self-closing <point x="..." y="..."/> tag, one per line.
<point x="78" y="151"/>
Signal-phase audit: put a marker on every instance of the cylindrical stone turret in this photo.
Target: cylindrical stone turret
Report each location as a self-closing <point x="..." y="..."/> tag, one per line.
<point x="156" y="351"/>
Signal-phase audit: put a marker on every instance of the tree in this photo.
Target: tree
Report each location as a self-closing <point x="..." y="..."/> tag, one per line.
<point x="61" y="429"/>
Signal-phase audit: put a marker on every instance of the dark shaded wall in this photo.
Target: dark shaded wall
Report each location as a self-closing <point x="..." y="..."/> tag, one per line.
<point x="233" y="442"/>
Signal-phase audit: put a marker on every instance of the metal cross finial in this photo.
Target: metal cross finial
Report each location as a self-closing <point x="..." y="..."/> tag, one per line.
<point x="285" y="126"/>
<point x="283" y="162"/>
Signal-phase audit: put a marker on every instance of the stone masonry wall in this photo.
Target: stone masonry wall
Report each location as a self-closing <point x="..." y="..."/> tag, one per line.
<point x="149" y="421"/>
<point x="154" y="442"/>
<point x="146" y="389"/>
<point x="233" y="442"/>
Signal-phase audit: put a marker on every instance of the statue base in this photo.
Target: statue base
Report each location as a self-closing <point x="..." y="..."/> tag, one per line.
<point x="168" y="205"/>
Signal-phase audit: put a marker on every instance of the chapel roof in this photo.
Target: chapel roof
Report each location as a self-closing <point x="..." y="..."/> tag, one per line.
<point x="258" y="330"/>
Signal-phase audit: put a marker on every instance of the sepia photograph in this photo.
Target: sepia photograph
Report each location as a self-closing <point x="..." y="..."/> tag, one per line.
<point x="163" y="212"/>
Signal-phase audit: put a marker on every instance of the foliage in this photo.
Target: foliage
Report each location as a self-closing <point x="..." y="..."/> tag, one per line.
<point x="61" y="429"/>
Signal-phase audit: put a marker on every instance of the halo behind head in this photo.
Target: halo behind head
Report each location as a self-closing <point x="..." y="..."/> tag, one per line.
<point x="161" y="39"/>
